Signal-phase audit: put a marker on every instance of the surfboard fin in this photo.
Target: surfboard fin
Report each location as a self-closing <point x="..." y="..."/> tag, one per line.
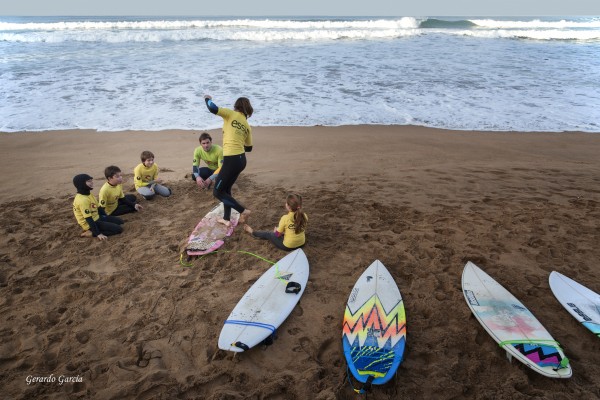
<point x="269" y="340"/>
<point x="367" y="385"/>
<point x="509" y="357"/>
<point x="293" y="287"/>
<point x="564" y="363"/>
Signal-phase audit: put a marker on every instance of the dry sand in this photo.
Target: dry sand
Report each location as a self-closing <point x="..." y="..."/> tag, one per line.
<point x="126" y="320"/>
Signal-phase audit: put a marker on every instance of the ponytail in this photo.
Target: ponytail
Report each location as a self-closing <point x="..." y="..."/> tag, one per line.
<point x="294" y="201"/>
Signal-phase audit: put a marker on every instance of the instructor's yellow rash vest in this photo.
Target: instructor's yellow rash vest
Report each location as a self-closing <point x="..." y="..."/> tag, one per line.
<point x="213" y="158"/>
<point x="236" y="132"/>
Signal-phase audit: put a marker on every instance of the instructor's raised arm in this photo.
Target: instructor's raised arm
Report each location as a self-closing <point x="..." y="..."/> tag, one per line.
<point x="212" y="107"/>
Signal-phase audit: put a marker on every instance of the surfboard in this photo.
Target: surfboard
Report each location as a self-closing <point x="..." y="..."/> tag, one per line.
<point x="374" y="329"/>
<point x="580" y="302"/>
<point x="512" y="325"/>
<point x="266" y="304"/>
<point x="209" y="234"/>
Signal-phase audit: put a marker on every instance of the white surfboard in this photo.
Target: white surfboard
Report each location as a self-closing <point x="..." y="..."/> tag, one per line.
<point x="512" y="325"/>
<point x="374" y="328"/>
<point x="580" y="302"/>
<point x="266" y="304"/>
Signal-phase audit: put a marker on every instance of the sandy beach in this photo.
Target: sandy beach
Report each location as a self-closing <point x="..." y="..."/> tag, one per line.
<point x="125" y="320"/>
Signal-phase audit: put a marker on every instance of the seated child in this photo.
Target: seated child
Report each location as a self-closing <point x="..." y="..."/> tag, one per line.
<point x="290" y="234"/>
<point x="85" y="207"/>
<point x="212" y="154"/>
<point x="146" y="178"/>
<point x="111" y="197"/>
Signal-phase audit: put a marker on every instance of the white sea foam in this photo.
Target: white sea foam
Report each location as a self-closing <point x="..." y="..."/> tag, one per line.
<point x="536" y="24"/>
<point x="196" y="35"/>
<point x="140" y="74"/>
<point x="118" y="31"/>
<point x="547" y="34"/>
<point x="402" y="23"/>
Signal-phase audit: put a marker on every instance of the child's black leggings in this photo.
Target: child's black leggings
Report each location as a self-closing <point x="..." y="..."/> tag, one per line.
<point x="273" y="238"/>
<point x="110" y="225"/>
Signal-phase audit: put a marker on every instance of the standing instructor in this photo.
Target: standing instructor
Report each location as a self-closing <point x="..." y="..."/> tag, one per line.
<point x="237" y="140"/>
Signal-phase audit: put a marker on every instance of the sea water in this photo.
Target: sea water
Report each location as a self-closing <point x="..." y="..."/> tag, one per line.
<point x="120" y="73"/>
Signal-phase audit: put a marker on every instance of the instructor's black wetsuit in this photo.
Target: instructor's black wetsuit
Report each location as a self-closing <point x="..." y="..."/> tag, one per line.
<point x="230" y="170"/>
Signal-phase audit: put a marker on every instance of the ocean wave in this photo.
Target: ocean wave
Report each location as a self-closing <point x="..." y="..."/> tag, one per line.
<point x="542" y="35"/>
<point x="402" y="23"/>
<point x="195" y="35"/>
<point x="535" y="24"/>
<point x="271" y="30"/>
<point x="441" y="24"/>
<point x="382" y="23"/>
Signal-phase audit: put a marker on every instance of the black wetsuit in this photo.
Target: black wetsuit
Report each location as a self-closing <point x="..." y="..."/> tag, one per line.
<point x="230" y="170"/>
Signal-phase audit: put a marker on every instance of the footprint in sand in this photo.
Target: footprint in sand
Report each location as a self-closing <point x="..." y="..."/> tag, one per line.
<point x="294" y="331"/>
<point x="145" y="355"/>
<point x="534" y="280"/>
<point x="82" y="337"/>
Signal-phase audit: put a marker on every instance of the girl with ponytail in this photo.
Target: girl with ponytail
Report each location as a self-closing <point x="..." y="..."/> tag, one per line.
<point x="290" y="233"/>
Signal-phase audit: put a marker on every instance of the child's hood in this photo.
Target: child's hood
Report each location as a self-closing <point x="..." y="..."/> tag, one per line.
<point x="80" y="185"/>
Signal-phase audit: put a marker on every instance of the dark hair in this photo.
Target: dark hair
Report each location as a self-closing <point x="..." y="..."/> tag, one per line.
<point x="146" y="155"/>
<point x="243" y="105"/>
<point x="294" y="201"/>
<point x="204" y="136"/>
<point x="111" y="171"/>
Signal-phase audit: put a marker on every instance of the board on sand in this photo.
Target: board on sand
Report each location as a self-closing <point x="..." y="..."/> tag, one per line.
<point x="512" y="325"/>
<point x="581" y="302"/>
<point x="374" y="329"/>
<point x="266" y="304"/>
<point x="208" y="235"/>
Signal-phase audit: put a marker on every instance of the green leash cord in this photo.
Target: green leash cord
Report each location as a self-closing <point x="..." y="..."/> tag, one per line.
<point x="224" y="251"/>
<point x="190" y="265"/>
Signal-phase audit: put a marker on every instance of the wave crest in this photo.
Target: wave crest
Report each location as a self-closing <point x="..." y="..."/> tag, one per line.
<point x="268" y="30"/>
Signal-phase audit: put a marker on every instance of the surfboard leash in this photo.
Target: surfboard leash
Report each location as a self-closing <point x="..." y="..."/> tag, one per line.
<point x="366" y="386"/>
<point x="189" y="265"/>
<point x="183" y="264"/>
<point x="291" y="287"/>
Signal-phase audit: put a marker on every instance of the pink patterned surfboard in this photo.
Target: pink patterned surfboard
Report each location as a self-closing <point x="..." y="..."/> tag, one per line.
<point x="512" y="325"/>
<point x="209" y="234"/>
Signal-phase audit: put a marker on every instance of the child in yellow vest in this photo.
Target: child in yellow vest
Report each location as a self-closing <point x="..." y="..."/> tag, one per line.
<point x="290" y="233"/>
<point x="91" y="218"/>
<point x="146" y="180"/>
<point x="112" y="199"/>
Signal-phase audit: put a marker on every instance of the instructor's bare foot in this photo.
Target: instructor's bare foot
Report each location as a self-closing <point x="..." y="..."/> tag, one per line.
<point x="224" y="222"/>
<point x="248" y="229"/>
<point x="244" y="216"/>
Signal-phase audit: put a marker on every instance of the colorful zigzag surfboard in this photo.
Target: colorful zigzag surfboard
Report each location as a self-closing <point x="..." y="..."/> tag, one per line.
<point x="374" y="329"/>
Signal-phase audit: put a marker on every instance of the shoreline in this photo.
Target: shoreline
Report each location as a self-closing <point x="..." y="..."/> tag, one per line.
<point x="65" y="154"/>
<point x="285" y="127"/>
